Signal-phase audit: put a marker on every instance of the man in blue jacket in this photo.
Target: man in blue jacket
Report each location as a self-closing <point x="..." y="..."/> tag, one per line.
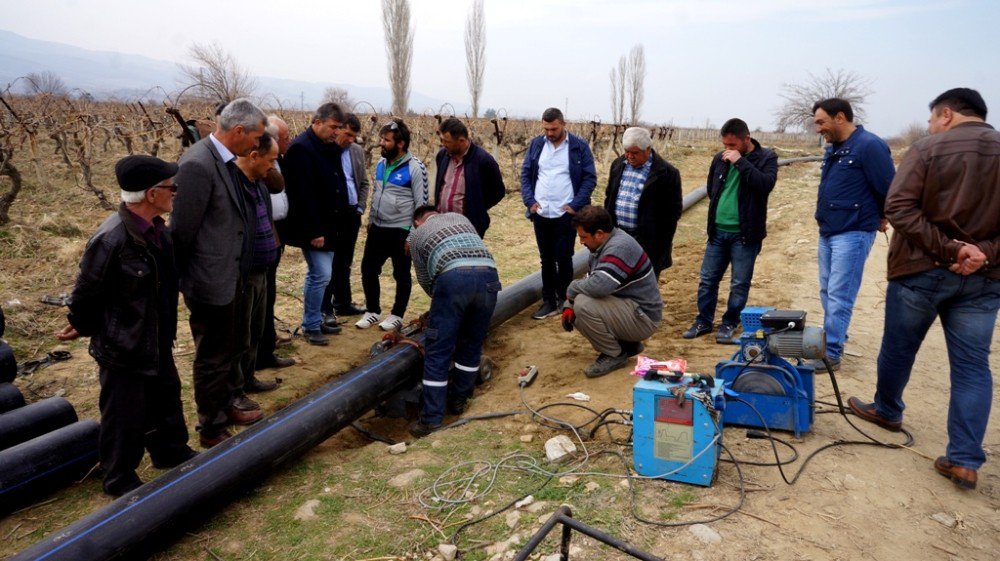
<point x="468" y="179"/>
<point x="557" y="179"/>
<point x="740" y="179"/>
<point x="855" y="177"/>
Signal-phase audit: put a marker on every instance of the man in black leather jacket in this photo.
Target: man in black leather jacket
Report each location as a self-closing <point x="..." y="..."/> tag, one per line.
<point x="125" y="300"/>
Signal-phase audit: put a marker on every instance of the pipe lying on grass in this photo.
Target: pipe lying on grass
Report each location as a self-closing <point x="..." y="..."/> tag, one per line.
<point x="30" y="421"/>
<point x="10" y="397"/>
<point x="140" y="520"/>
<point x="36" y="467"/>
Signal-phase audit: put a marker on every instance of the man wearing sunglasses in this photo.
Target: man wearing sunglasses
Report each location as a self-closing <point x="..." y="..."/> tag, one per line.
<point x="125" y="300"/>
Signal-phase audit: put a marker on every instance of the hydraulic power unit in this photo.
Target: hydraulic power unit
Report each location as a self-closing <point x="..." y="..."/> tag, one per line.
<point x="772" y="392"/>
<point x="677" y="428"/>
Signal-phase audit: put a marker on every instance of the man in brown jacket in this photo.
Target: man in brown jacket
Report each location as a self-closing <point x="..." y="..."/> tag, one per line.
<point x="944" y="206"/>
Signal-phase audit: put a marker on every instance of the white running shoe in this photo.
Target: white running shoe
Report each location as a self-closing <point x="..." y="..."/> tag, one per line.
<point x="392" y="323"/>
<point x="367" y="320"/>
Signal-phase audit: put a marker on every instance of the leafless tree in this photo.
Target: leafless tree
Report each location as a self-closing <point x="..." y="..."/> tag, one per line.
<point x="619" y="78"/>
<point x="216" y="74"/>
<point x="636" y="82"/>
<point x="340" y="96"/>
<point x="797" y="113"/>
<point x="46" y="82"/>
<point x="475" y="52"/>
<point x="399" y="49"/>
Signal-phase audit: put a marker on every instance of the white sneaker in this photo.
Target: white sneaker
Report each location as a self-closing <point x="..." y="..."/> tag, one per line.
<point x="391" y="323"/>
<point x="367" y="320"/>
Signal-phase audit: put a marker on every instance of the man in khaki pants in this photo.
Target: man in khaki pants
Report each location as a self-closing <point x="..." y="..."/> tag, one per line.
<point x="618" y="303"/>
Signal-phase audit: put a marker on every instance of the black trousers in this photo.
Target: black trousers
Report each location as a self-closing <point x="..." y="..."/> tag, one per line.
<point x="339" y="288"/>
<point x="265" y="350"/>
<point x="215" y="330"/>
<point x="555" y="238"/>
<point x="383" y="244"/>
<point x="140" y="412"/>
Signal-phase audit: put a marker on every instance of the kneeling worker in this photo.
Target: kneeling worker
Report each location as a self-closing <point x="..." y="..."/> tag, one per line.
<point x="454" y="267"/>
<point x="618" y="303"/>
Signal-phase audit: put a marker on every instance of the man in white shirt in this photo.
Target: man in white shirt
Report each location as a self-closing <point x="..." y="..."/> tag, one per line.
<point x="557" y="179"/>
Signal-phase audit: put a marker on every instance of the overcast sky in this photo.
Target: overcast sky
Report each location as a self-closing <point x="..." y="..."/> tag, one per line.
<point x="707" y="60"/>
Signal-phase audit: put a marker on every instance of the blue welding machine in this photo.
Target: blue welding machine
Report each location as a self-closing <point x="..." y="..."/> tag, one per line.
<point x="772" y="392"/>
<point x="677" y="430"/>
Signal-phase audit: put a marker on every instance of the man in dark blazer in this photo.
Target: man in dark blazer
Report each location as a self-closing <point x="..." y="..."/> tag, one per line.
<point x="212" y="242"/>
<point x="644" y="197"/>
<point x="317" y="202"/>
<point x="468" y="178"/>
<point x="337" y="297"/>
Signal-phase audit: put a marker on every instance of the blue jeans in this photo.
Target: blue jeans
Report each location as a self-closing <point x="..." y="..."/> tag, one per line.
<point x="723" y="249"/>
<point x="461" y="308"/>
<point x="967" y="306"/>
<point x="841" y="265"/>
<point x="320" y="267"/>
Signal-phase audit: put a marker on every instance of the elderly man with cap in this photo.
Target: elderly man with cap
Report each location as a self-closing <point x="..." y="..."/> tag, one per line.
<point x="125" y="300"/>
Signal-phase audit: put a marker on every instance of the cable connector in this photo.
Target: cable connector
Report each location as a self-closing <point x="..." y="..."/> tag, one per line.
<point x="527" y="375"/>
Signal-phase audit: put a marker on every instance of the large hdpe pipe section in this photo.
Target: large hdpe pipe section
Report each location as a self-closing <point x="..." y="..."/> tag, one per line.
<point x="129" y="526"/>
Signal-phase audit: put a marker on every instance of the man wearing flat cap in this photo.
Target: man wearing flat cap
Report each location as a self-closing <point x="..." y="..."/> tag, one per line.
<point x="125" y="300"/>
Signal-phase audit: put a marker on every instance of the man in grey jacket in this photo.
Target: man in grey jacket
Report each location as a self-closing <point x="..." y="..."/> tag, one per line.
<point x="400" y="187"/>
<point x="618" y="303"/>
<point x="213" y="245"/>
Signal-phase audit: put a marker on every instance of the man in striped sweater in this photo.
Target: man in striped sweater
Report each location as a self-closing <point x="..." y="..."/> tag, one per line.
<point x="454" y="267"/>
<point x="618" y="303"/>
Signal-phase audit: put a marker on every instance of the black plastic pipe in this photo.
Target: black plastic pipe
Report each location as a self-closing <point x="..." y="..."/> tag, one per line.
<point x="30" y="421"/>
<point x="8" y="364"/>
<point x="133" y="524"/>
<point x="10" y="398"/>
<point x="34" y="468"/>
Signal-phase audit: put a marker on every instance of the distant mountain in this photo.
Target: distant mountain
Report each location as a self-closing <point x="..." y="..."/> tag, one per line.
<point x="107" y="74"/>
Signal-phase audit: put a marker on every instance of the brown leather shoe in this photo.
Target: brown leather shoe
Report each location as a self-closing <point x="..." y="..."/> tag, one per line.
<point x="867" y="412"/>
<point x="241" y="417"/>
<point x="963" y="477"/>
<point x="210" y="441"/>
<point x="257" y="385"/>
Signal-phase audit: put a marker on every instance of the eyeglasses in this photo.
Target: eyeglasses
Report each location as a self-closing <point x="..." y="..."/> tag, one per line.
<point x="173" y="187"/>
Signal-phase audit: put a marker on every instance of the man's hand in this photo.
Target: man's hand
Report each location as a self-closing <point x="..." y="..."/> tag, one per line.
<point x="970" y="259"/>
<point x="533" y="209"/>
<point x="568" y="317"/>
<point x="67" y="333"/>
<point x="406" y="248"/>
<point x="317" y="242"/>
<point x="569" y="210"/>
<point x="883" y="225"/>
<point x="731" y="156"/>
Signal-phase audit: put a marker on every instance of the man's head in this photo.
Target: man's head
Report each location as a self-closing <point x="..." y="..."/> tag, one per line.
<point x="422" y="213"/>
<point x="957" y="105"/>
<point x="327" y="121"/>
<point x="593" y="226"/>
<point x="736" y="136"/>
<point x="349" y="132"/>
<point x="394" y="138"/>
<point x="278" y="129"/>
<point x="147" y="184"/>
<point x="637" y="144"/>
<point x="553" y="124"/>
<point x="454" y="136"/>
<point x="834" y="119"/>
<point x="240" y="125"/>
<point x="261" y="159"/>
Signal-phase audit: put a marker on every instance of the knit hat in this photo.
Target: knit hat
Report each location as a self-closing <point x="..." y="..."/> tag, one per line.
<point x="140" y="172"/>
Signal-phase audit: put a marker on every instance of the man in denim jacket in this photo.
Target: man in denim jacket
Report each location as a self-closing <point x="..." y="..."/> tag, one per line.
<point x="857" y="170"/>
